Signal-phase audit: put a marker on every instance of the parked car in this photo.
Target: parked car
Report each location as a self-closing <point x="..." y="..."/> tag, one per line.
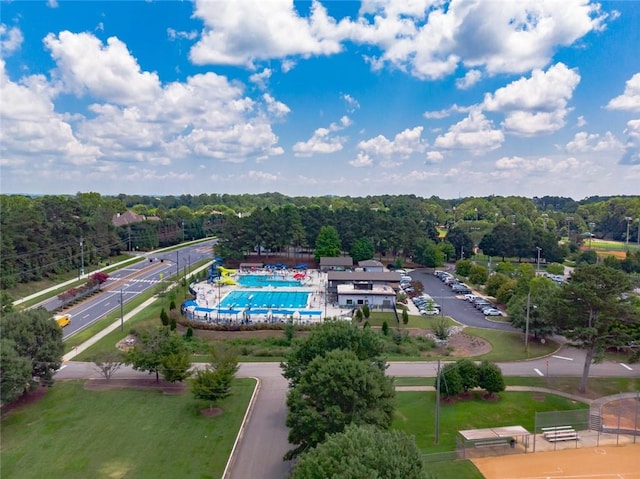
<point x="470" y="297"/>
<point x="429" y="312"/>
<point x="492" y="312"/>
<point x="482" y="304"/>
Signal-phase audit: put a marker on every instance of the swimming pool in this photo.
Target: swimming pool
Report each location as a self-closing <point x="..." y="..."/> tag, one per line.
<point x="240" y="299"/>
<point x="261" y="280"/>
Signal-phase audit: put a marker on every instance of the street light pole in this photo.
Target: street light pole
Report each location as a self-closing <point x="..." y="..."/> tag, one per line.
<point x="121" y="311"/>
<point x="638" y="238"/>
<point x="628" y="218"/>
<point x="591" y="226"/>
<point x="538" y="262"/>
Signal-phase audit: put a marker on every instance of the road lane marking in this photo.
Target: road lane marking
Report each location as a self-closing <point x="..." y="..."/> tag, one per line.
<point x="562" y="357"/>
<point x="62" y="367"/>
<point x="538" y="372"/>
<point x="625" y="366"/>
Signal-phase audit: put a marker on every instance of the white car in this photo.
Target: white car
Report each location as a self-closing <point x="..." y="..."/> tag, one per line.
<point x="470" y="297"/>
<point x="492" y="312"/>
<point x="429" y="312"/>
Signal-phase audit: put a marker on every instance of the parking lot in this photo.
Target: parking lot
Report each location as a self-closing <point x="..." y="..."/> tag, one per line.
<point x="460" y="310"/>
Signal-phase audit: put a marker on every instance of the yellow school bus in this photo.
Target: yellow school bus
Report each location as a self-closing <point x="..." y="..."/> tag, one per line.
<point x="63" y="319"/>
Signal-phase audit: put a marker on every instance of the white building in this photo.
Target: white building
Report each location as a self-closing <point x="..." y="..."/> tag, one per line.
<point x="377" y="296"/>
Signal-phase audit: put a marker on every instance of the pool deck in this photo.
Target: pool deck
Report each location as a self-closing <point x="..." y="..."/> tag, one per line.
<point x="209" y="294"/>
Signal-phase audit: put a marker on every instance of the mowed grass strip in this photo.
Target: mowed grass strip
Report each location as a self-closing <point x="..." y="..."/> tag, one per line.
<point x="415" y="414"/>
<point x="74" y="433"/>
<point x="507" y="346"/>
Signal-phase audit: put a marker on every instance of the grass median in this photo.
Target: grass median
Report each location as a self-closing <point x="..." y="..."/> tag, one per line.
<point x="76" y="433"/>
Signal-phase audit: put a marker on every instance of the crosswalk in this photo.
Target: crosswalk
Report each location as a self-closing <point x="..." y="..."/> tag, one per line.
<point x="148" y="281"/>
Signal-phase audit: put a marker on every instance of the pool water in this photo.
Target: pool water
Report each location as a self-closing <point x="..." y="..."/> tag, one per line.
<point x="265" y="299"/>
<point x="261" y="280"/>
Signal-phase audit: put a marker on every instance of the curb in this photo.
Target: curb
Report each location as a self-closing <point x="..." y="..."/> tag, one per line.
<point x="245" y="419"/>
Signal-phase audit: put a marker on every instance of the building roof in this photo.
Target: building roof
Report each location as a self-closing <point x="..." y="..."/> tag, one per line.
<point x="129" y="217"/>
<point x="388" y="277"/>
<point x="336" y="261"/>
<point x="378" y="290"/>
<point x="368" y="263"/>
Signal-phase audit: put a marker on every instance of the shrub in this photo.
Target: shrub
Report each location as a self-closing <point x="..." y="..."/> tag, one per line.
<point x="385" y="328"/>
<point x="468" y="373"/>
<point x="366" y="311"/>
<point x="490" y="378"/>
<point x="555" y="268"/>
<point x="441" y="329"/>
<point x="450" y="381"/>
<point x="478" y="274"/>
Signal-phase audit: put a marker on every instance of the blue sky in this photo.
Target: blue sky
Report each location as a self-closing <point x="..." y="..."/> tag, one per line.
<point x="423" y="97"/>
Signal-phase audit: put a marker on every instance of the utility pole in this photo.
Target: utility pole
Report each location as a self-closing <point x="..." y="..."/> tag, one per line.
<point x="437" y="438"/>
<point x="129" y="231"/>
<point x="628" y="219"/>
<point x="526" y="327"/>
<point x="177" y="264"/>
<point x="538" y="263"/>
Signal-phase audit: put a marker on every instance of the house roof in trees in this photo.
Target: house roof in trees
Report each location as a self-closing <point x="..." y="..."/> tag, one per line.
<point x="328" y="261"/>
<point x="129" y="217"/>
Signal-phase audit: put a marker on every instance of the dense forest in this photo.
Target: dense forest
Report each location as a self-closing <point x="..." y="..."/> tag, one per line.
<point x="46" y="235"/>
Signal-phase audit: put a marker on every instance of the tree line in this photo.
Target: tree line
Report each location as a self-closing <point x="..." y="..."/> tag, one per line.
<point x="44" y="236"/>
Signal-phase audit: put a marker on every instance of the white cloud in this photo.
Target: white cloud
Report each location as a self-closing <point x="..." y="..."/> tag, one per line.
<point x="630" y="99"/>
<point x="261" y="78"/>
<point x="276" y="108"/>
<point x="352" y="103"/>
<point x="537" y="104"/>
<point x="52" y="3"/>
<point x="581" y="121"/>
<point x="434" y="157"/>
<point x="10" y="39"/>
<point x="243" y="31"/>
<point x="584" y="142"/>
<point x="362" y="160"/>
<point x="134" y="119"/>
<point x="470" y="78"/>
<point x="31" y="130"/>
<point x="632" y="146"/>
<point x="174" y="34"/>
<point x="262" y="176"/>
<point x="499" y="37"/>
<point x="439" y="114"/>
<point x="107" y="72"/>
<point x="426" y="38"/>
<point x="322" y="141"/>
<point x="404" y="144"/>
<point x="474" y="133"/>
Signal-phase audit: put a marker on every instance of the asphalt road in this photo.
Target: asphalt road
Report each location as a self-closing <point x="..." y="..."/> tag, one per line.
<point x="130" y="281"/>
<point x="460" y="310"/>
<point x="264" y="442"/>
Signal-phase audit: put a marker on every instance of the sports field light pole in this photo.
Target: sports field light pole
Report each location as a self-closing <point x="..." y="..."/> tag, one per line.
<point x="591" y="226"/>
<point x="638" y="238"/>
<point x="569" y="220"/>
<point x="628" y="219"/>
<point x="538" y="249"/>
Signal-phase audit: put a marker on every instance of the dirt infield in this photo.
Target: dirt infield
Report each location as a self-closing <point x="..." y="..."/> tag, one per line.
<point x="610" y="462"/>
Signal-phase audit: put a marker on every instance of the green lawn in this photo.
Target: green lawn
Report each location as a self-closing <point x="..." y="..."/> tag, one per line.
<point x="415" y="415"/>
<point x="507" y="346"/>
<point x="597" y="387"/>
<point x="74" y="433"/>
